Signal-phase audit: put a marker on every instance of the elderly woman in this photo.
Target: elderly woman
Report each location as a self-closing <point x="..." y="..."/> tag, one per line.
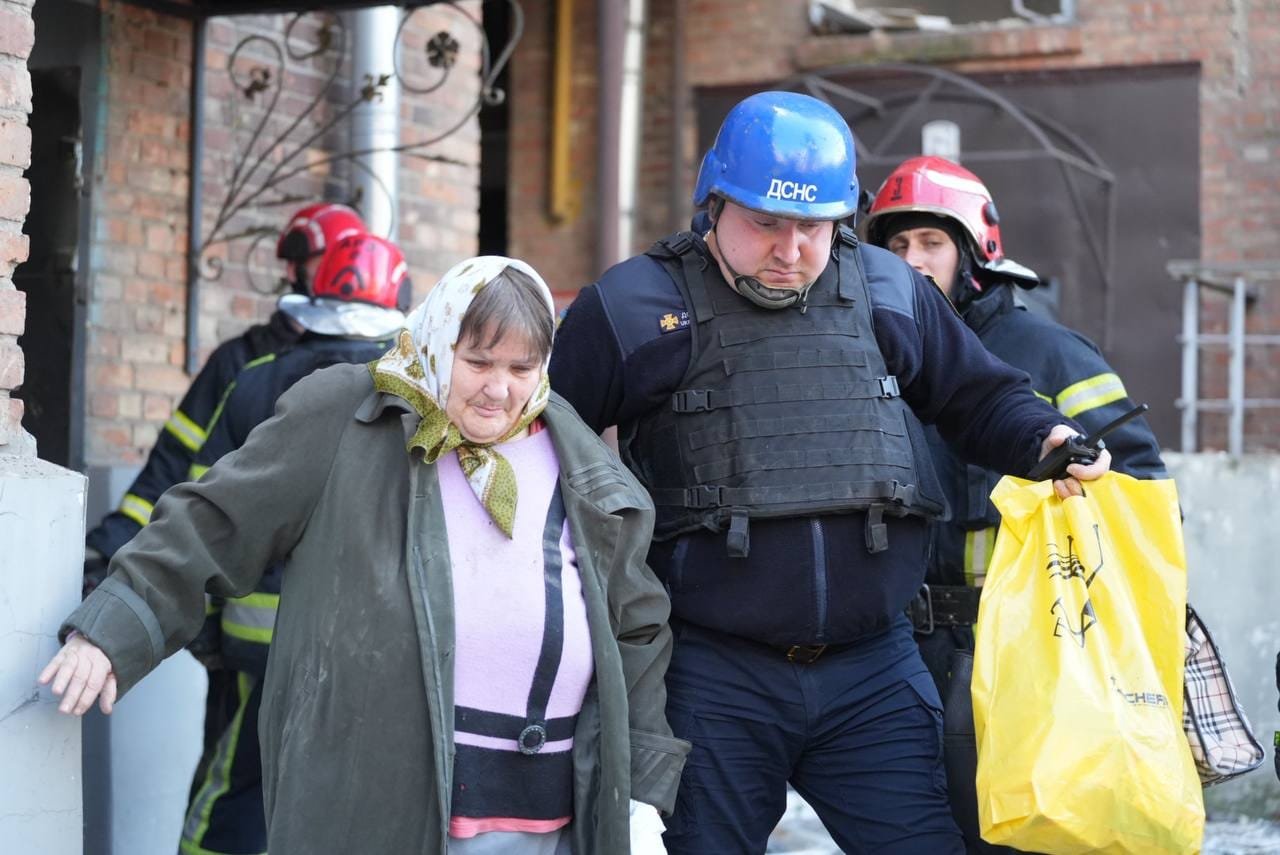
<point x="469" y="652"/>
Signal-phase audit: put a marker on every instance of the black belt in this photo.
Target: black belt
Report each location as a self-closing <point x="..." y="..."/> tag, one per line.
<point x="944" y="605"/>
<point x="807" y="654"/>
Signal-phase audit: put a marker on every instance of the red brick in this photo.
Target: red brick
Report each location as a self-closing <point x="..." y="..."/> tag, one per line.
<point x="12" y="363"/>
<point x="111" y="375"/>
<point x="13" y="312"/>
<point x="104" y="405"/>
<point x="156" y="408"/>
<point x="17" y="32"/>
<point x="14" y="249"/>
<point x="15" y="86"/>
<point x="15" y="144"/>
<point x="161" y="378"/>
<point x="144" y="349"/>
<point x="15" y="197"/>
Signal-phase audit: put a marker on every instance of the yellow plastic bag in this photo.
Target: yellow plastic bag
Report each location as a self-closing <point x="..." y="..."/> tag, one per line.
<point x="1077" y="673"/>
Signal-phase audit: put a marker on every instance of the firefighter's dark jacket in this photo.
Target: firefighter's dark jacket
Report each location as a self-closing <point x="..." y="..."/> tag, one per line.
<point x="1068" y="371"/>
<point x="184" y="433"/>
<point x="623" y="349"/>
<point x="244" y="626"/>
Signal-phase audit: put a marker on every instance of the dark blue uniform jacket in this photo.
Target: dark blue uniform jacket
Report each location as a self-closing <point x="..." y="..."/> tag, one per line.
<point x="1068" y="371"/>
<point x="807" y="580"/>
<point x="185" y="432"/>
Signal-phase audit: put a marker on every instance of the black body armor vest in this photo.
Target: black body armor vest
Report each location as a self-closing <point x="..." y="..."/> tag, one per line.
<point x="780" y="413"/>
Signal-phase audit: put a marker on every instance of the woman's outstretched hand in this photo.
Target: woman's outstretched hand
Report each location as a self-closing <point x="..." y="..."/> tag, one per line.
<point x="81" y="674"/>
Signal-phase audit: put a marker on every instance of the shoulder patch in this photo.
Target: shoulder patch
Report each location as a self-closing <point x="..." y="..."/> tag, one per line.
<point x="671" y="321"/>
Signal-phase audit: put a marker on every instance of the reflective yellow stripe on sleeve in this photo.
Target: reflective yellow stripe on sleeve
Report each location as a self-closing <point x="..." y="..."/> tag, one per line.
<point x="1097" y="391"/>
<point x="251" y="618"/>
<point x="977" y="555"/>
<point x="196" y="472"/>
<point x="186" y="431"/>
<point x="136" y="508"/>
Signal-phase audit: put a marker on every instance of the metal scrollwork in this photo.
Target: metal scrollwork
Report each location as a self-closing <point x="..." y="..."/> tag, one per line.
<point x="256" y="67"/>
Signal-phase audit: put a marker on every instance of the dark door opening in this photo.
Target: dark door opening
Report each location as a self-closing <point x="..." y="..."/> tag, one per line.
<point x="48" y="275"/>
<point x="495" y="141"/>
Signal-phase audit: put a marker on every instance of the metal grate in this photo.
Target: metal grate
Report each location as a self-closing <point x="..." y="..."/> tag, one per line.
<point x="1241" y="283"/>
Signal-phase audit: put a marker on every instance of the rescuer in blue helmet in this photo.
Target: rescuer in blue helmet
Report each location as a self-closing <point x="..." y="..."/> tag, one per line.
<point x="768" y="375"/>
<point x="784" y="155"/>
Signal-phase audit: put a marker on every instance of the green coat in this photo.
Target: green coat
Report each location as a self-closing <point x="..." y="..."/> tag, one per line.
<point x="357" y="712"/>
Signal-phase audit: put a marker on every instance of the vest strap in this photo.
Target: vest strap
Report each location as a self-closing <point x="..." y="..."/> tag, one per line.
<point x="705" y="497"/>
<point x="705" y="400"/>
<point x="738" y="540"/>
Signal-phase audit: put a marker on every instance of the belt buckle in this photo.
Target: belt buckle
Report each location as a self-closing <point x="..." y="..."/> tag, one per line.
<point x="531" y="739"/>
<point x="805" y="654"/>
<point x="923" y="602"/>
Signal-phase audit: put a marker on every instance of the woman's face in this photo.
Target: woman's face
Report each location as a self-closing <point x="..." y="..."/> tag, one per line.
<point x="491" y="385"/>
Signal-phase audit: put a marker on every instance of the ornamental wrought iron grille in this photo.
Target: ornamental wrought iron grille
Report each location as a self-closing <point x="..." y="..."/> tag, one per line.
<point x="277" y="136"/>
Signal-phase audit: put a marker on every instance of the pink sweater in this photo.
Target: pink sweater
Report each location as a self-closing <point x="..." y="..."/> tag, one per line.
<point x="523" y="649"/>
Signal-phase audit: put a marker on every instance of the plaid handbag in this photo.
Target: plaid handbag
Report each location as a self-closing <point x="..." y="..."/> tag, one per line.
<point x="1222" y="742"/>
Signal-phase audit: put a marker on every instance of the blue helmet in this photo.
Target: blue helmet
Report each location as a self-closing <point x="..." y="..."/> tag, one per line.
<point x="785" y="154"/>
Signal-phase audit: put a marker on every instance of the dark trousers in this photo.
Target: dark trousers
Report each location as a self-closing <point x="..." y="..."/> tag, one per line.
<point x="225" y="815"/>
<point x="948" y="653"/>
<point x="858" y="733"/>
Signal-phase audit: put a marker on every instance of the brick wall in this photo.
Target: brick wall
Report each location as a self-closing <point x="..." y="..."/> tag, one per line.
<point x="137" y="316"/>
<point x="17" y="35"/>
<point x="760" y="42"/>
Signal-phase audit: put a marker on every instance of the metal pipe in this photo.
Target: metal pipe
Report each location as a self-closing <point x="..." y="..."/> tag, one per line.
<point x="629" y="127"/>
<point x="1235" y="380"/>
<point x="376" y="124"/>
<point x="1190" y="363"/>
<point x="195" y="198"/>
<point x="679" y="199"/>
<point x="612" y="35"/>
<point x="561" y="205"/>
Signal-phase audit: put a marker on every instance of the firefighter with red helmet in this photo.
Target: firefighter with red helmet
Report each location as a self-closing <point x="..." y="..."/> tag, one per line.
<point x="300" y="247"/>
<point x="309" y="233"/>
<point x="357" y="298"/>
<point x="940" y="218"/>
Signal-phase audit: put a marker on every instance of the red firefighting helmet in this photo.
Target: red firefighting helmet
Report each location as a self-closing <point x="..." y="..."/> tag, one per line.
<point x="315" y="228"/>
<point x="361" y="290"/>
<point x="935" y="185"/>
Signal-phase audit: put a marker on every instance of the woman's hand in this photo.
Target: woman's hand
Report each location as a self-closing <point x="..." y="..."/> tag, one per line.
<point x="81" y="674"/>
<point x="646" y="830"/>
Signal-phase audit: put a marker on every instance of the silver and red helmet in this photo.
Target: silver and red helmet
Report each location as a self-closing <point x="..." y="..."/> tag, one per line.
<point x="361" y="290"/>
<point x="315" y="228"/>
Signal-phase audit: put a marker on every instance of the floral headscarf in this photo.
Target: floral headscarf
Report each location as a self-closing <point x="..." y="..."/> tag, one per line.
<point x="419" y="370"/>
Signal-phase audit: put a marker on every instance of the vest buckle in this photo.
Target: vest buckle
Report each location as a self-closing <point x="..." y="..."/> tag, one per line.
<point x="680" y="243"/>
<point x="889" y="387"/>
<point x="691" y="400"/>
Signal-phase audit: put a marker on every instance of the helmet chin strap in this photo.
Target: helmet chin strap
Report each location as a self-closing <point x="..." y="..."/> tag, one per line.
<point x="759" y="293"/>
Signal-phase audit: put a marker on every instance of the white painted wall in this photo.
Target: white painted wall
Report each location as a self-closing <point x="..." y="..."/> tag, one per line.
<point x="1232" y="521"/>
<point x="41" y="561"/>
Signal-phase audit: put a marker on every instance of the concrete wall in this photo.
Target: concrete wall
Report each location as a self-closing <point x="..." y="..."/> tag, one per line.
<point x="42" y="509"/>
<point x="1230" y="509"/>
